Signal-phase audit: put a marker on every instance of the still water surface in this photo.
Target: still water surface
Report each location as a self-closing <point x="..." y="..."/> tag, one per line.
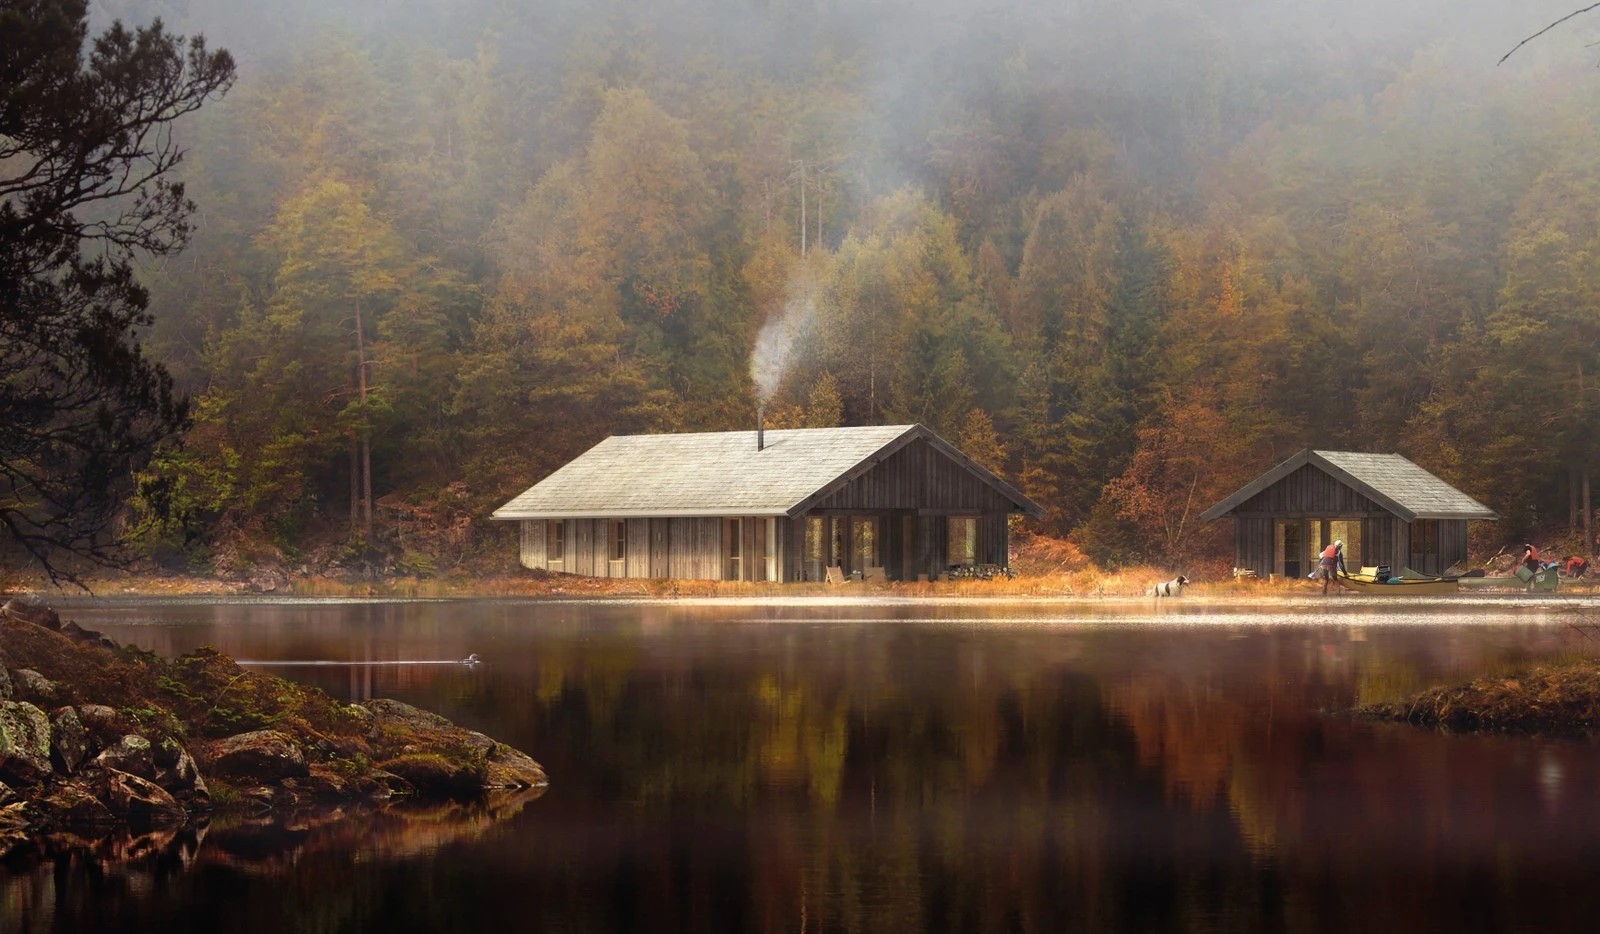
<point x="808" y="767"/>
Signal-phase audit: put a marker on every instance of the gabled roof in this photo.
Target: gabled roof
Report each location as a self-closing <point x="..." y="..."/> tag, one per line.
<point x="1390" y="480"/>
<point x="722" y="473"/>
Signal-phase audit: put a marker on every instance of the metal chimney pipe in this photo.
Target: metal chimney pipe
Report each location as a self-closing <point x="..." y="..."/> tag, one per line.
<point x="761" y="427"/>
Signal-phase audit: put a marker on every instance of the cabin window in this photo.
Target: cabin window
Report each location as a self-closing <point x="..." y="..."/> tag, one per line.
<point x="962" y="540"/>
<point x="732" y="549"/>
<point x="1290" y="547"/>
<point x="555" y="544"/>
<point x="619" y="539"/>
<point x="864" y="543"/>
<point x="816" y="536"/>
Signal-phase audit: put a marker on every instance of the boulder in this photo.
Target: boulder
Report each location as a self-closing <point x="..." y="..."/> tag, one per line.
<point x="31" y="611"/>
<point x="262" y="756"/>
<point x="69" y="743"/>
<point x="138" y="800"/>
<point x="393" y="713"/>
<point x="29" y="685"/>
<point x="132" y="754"/>
<point x="6" y="688"/>
<point x="24" y="743"/>
<point x="183" y="778"/>
<point x="93" y="636"/>
<point x="104" y="725"/>
<point x="74" y="803"/>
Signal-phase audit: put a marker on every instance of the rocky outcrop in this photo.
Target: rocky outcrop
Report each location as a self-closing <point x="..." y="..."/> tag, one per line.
<point x="131" y="739"/>
<point x="263" y="755"/>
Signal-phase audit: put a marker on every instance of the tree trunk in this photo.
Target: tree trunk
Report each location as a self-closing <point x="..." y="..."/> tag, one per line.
<point x="355" y="487"/>
<point x="1588" y="517"/>
<point x="366" y="439"/>
<point x="1572" y="498"/>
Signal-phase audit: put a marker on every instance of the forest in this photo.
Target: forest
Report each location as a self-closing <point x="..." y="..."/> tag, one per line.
<point x="1127" y="255"/>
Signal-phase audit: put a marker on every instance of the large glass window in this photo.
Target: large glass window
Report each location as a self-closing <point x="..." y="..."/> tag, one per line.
<point x="816" y="532"/>
<point x="555" y="543"/>
<point x="962" y="546"/>
<point x="864" y="543"/>
<point x="619" y="539"/>
<point x="732" y="549"/>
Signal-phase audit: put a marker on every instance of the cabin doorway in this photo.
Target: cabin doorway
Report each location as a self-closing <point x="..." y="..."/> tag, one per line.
<point x="1291" y="548"/>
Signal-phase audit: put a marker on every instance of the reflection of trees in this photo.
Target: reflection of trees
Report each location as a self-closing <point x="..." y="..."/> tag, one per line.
<point x="714" y="775"/>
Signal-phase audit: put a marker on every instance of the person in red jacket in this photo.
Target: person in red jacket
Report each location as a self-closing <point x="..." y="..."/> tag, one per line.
<point x="1332" y="562"/>
<point x="1530" y="557"/>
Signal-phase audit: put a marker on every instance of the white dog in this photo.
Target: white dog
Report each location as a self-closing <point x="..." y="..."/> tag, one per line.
<point x="1171" y="588"/>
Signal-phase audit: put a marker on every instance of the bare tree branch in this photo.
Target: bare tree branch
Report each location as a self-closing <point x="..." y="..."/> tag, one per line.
<point x="1541" y="32"/>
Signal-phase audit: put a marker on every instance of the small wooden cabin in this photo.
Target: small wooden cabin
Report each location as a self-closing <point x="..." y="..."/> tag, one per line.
<point x="1386" y="509"/>
<point x="781" y="505"/>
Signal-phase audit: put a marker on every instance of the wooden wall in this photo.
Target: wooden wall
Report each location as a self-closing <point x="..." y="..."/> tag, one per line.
<point x="1309" y="493"/>
<point x="912" y="493"/>
<point x="921" y="478"/>
<point x="532" y="552"/>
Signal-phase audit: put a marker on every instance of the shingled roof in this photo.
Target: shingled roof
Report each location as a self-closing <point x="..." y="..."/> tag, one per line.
<point x="1390" y="480"/>
<point x="722" y="473"/>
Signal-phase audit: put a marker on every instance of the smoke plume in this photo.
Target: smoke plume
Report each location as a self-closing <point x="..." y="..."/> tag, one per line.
<point x="781" y="340"/>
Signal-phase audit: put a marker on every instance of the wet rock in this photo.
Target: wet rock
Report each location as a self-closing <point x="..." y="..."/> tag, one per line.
<point x="69" y="743"/>
<point x="393" y="713"/>
<point x="138" y="800"/>
<point x="262" y="755"/>
<point x="29" y="685"/>
<point x="132" y="754"/>
<point x="437" y="776"/>
<point x="31" y="611"/>
<point x="18" y="815"/>
<point x="74" y="803"/>
<point x="24" y="743"/>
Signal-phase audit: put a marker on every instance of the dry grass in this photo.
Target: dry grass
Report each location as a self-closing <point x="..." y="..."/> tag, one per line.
<point x="1551" y="699"/>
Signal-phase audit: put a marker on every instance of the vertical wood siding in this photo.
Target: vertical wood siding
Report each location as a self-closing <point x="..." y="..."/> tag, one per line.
<point x="583" y="548"/>
<point x="638" y="563"/>
<point x="911" y="493"/>
<point x="533" y="543"/>
<point x="1309" y="493"/>
<point x="660" y="548"/>
<point x="917" y="477"/>
<point x="696" y="549"/>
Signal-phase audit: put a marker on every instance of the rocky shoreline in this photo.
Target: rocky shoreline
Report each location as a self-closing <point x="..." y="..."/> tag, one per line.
<point x="99" y="738"/>
<point x="1551" y="700"/>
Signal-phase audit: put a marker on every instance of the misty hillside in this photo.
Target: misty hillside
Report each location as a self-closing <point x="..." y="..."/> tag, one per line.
<point x="1128" y="255"/>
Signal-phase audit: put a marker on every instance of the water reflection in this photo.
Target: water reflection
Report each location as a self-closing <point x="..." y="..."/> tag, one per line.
<point x="925" y="767"/>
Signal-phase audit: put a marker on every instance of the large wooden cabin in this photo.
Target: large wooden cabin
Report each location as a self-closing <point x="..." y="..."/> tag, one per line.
<point x="781" y="505"/>
<point x="1386" y="509"/>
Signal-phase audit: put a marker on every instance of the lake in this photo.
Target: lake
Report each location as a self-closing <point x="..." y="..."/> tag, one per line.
<point x="811" y="766"/>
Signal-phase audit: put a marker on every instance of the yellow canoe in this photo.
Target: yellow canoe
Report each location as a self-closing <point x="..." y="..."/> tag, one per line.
<point x="1399" y="586"/>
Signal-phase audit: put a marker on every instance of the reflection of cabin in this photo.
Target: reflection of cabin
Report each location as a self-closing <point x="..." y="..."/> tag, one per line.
<point x="725" y="506"/>
<point x="1386" y="509"/>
